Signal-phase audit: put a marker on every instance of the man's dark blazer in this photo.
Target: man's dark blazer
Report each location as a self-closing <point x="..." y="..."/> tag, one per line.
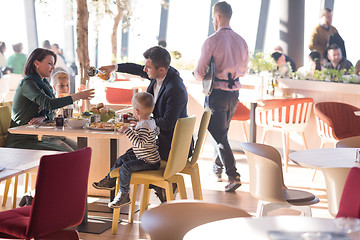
<point x="170" y="105"/>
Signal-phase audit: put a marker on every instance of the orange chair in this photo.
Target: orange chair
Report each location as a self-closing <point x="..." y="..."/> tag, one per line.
<point x="284" y="115"/>
<point x="336" y="121"/>
<point x="242" y="114"/>
<point x="118" y="95"/>
<point x="59" y="201"/>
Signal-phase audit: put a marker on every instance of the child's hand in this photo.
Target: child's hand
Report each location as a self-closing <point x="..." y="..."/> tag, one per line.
<point x="37" y="120"/>
<point x="123" y="128"/>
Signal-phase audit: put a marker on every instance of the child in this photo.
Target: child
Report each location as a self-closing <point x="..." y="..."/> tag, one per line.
<point x="61" y="84"/>
<point x="144" y="153"/>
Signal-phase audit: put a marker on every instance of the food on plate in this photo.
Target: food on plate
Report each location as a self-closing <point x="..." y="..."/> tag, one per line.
<point x="99" y="105"/>
<point x="105" y="125"/>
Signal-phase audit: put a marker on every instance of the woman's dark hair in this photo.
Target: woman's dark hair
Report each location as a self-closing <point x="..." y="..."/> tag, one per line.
<point x="38" y="54"/>
<point x="276" y="56"/>
<point x="159" y="57"/>
<point x="316" y="57"/>
<point x="2" y="47"/>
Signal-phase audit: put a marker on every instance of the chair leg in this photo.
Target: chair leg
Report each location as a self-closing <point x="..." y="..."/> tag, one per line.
<point x="6" y="191"/>
<point x="15" y="191"/>
<point x="169" y="191"/>
<point x="27" y="175"/>
<point x="286" y="149"/>
<point x="244" y="129"/>
<point x="116" y="211"/>
<point x="196" y="183"/>
<point x="264" y="136"/>
<point x="133" y="190"/>
<point x="304" y="140"/>
<point x="145" y="197"/>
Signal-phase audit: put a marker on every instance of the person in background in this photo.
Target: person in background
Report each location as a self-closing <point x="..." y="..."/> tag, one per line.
<point x="46" y="44"/>
<point x="2" y="54"/>
<point x="170" y="97"/>
<point x="320" y="36"/>
<point x="230" y="53"/>
<point x="336" y="60"/>
<point x="34" y="101"/>
<point x="162" y="43"/>
<point x="144" y="154"/>
<point x="287" y="58"/>
<point x="60" y="63"/>
<point x="314" y="63"/>
<point x="282" y="67"/>
<point x="17" y="60"/>
<point x="357" y="67"/>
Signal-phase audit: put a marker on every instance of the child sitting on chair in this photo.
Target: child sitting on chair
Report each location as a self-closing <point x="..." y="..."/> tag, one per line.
<point x="144" y="153"/>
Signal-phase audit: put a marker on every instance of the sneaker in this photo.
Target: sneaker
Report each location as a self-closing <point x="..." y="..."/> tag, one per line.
<point x="161" y="194"/>
<point x="105" y="184"/>
<point x="121" y="200"/>
<point x="26" y="200"/>
<point x="233" y="185"/>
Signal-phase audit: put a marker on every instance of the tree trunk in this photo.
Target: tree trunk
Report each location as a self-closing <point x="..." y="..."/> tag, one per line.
<point x="117" y="20"/>
<point x="82" y="39"/>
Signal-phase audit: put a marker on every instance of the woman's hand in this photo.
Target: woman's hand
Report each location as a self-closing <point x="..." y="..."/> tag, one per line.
<point x="36" y="121"/>
<point x="86" y="95"/>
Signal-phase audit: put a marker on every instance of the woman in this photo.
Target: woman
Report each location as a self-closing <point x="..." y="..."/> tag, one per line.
<point x="34" y="101"/>
<point x="314" y="63"/>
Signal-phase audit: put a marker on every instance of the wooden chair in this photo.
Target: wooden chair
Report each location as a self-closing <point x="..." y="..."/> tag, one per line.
<point x="174" y="219"/>
<point x="267" y="182"/>
<point x="284" y="115"/>
<point x="191" y="167"/>
<point x="59" y="202"/>
<point x="164" y="177"/>
<point x="335" y="180"/>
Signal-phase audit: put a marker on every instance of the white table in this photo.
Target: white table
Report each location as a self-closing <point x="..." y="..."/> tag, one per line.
<point x="325" y="157"/>
<point x="258" y="228"/>
<point x="82" y="136"/>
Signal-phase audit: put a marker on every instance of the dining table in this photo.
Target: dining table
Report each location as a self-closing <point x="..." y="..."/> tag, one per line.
<point x="325" y="158"/>
<point x="94" y="225"/>
<point x="273" y="228"/>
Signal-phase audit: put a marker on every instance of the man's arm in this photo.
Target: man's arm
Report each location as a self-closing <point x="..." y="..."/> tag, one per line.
<point x="132" y="68"/>
<point x="203" y="62"/>
<point x="314" y="41"/>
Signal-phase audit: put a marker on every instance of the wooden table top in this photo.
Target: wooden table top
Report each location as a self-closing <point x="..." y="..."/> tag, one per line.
<point x="66" y="131"/>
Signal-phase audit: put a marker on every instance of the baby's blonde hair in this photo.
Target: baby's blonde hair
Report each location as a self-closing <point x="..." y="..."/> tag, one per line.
<point x="144" y="102"/>
<point x="57" y="76"/>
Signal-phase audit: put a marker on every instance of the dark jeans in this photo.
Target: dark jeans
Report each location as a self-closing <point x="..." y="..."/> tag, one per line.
<point x="223" y="105"/>
<point x="130" y="163"/>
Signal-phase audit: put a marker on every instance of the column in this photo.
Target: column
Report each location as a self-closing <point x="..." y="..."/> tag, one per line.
<point x="31" y="28"/>
<point x="164" y="20"/>
<point x="261" y="32"/>
<point x="211" y="25"/>
<point x="292" y="29"/>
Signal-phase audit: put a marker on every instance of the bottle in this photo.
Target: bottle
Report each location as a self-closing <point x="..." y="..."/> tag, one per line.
<point x="93" y="71"/>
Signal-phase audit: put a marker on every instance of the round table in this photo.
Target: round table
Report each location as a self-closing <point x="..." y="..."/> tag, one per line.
<point x="325" y="157"/>
<point x="270" y="227"/>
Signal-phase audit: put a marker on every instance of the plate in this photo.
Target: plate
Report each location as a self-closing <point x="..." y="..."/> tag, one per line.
<point x="101" y="129"/>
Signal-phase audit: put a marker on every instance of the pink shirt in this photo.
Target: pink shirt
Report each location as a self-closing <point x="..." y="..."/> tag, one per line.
<point x="230" y="53"/>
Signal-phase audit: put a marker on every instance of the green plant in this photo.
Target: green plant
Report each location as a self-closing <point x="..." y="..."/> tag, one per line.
<point x="260" y="62"/>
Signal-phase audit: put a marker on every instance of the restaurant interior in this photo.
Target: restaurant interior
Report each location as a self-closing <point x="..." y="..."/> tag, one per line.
<point x="295" y="137"/>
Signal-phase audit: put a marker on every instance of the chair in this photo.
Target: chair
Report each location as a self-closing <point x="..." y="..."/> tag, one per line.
<point x="59" y="201"/>
<point x="351" y="142"/>
<point x="173" y="220"/>
<point x="267" y="182"/>
<point x="336" y="121"/>
<point x="163" y="177"/>
<point x="284" y="115"/>
<point x="350" y="198"/>
<point x="242" y="114"/>
<point x="191" y="167"/>
<point x="335" y="180"/>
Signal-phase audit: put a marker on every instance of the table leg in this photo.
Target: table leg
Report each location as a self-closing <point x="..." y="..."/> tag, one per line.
<point x="98" y="226"/>
<point x="252" y="122"/>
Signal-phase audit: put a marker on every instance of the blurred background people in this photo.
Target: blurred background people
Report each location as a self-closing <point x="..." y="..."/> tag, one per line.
<point x="321" y="34"/>
<point x="46" y="44"/>
<point x="283" y="68"/>
<point x="314" y="63"/>
<point x="336" y="60"/>
<point x="17" y="60"/>
<point x="2" y="54"/>
<point x="287" y="58"/>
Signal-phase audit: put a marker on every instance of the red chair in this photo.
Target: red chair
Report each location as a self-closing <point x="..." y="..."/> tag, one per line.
<point x="284" y="115"/>
<point x="350" y="198"/>
<point x="59" y="201"/>
<point x="118" y="95"/>
<point x="242" y="114"/>
<point x="336" y="121"/>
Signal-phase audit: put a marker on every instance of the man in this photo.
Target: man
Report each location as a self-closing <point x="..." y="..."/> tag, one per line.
<point x="230" y="53"/>
<point x="321" y="34"/>
<point x="336" y="60"/>
<point x="170" y="97"/>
